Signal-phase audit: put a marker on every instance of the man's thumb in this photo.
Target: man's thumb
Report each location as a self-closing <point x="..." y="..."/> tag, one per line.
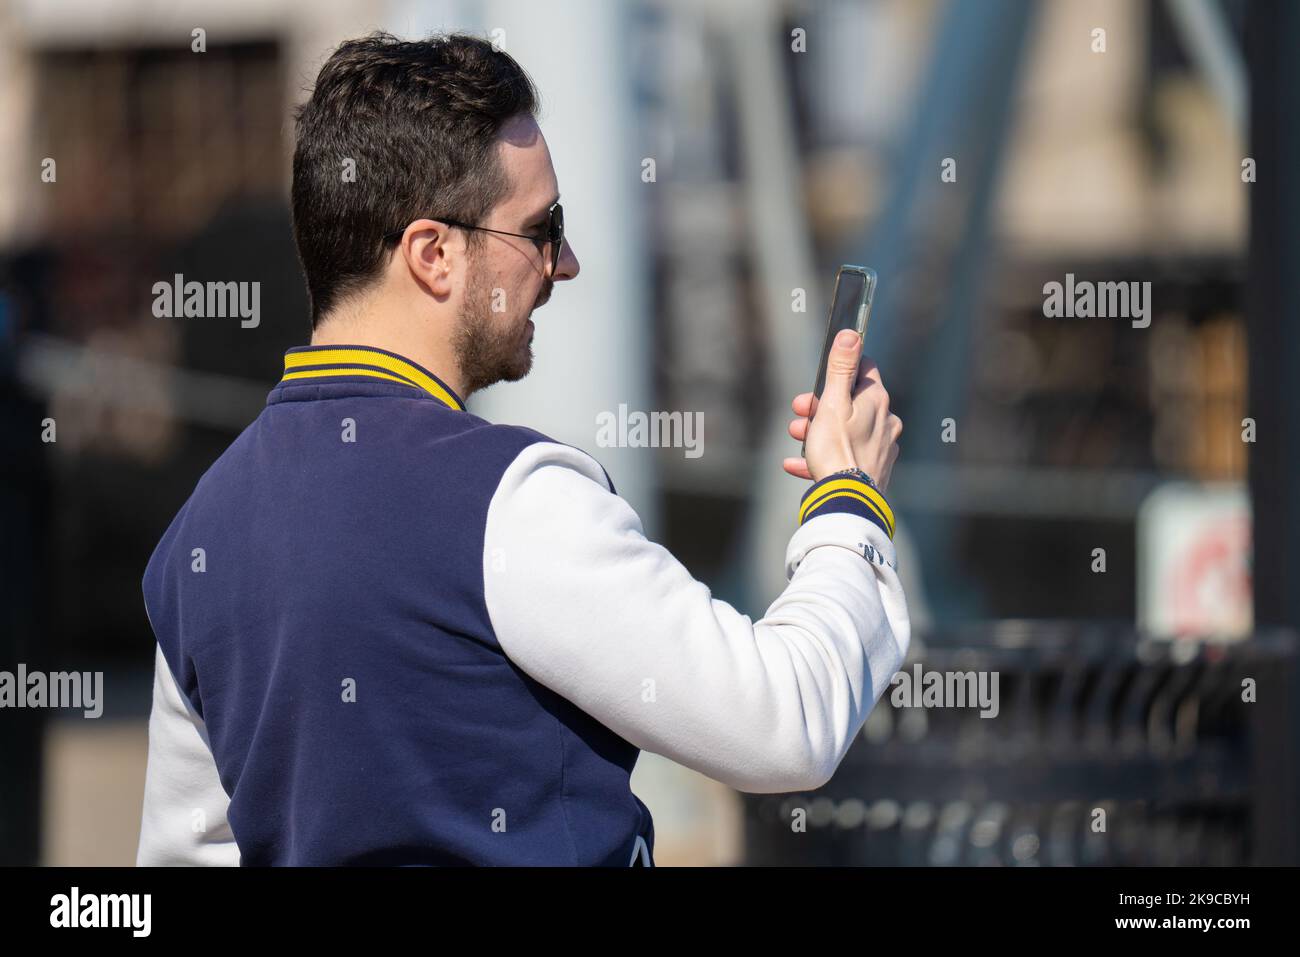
<point x="842" y="365"/>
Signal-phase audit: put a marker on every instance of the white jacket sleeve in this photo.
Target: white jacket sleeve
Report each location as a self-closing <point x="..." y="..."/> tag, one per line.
<point x="584" y="604"/>
<point x="184" y="819"/>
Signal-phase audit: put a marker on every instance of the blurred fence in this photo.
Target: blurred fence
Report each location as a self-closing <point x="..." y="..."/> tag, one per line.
<point x="1096" y="723"/>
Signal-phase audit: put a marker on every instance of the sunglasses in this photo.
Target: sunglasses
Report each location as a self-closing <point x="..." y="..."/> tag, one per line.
<point x="554" y="236"/>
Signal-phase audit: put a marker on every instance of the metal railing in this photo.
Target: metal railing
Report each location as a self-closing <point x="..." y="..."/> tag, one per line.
<point x="1107" y="747"/>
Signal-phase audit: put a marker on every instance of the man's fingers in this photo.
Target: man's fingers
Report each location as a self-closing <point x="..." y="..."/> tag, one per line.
<point x="799" y="429"/>
<point x="797" y="467"/>
<point x="842" y="366"/>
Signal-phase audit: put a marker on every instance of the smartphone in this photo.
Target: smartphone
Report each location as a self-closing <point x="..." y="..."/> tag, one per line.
<point x="855" y="286"/>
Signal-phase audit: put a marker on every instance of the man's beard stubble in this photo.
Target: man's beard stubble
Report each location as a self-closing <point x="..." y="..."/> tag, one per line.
<point x="486" y="349"/>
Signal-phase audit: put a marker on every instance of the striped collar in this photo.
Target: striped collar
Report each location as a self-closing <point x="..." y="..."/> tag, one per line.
<point x="316" y="362"/>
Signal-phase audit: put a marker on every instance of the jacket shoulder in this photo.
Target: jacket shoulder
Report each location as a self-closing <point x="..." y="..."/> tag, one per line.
<point x="516" y="440"/>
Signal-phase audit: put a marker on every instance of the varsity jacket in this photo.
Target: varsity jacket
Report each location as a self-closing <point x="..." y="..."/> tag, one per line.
<point x="391" y="632"/>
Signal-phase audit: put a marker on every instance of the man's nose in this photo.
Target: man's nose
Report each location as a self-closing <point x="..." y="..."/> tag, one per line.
<point x="568" y="266"/>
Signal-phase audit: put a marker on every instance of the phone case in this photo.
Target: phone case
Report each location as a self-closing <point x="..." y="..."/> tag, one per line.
<point x="855" y="287"/>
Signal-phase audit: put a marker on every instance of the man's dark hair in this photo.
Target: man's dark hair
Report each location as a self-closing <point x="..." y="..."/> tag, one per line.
<point x="420" y="119"/>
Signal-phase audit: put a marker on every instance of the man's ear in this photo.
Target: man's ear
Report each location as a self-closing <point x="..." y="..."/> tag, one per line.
<point x="431" y="253"/>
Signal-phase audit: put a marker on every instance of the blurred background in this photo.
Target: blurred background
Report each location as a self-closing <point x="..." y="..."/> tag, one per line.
<point x="1104" y="514"/>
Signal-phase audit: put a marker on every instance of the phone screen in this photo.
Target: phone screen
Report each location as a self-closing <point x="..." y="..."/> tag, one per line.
<point x="850" y="309"/>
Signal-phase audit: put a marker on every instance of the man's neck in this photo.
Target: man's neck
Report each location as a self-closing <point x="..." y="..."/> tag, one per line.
<point x="431" y="352"/>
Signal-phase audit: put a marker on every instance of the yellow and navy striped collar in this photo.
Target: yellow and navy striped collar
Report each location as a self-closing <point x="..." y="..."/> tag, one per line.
<point x="317" y="362"/>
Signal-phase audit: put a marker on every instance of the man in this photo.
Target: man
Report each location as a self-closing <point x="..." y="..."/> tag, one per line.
<point x="390" y="632"/>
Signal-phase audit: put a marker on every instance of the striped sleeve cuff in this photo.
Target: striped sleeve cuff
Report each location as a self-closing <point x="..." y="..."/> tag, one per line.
<point x="841" y="493"/>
